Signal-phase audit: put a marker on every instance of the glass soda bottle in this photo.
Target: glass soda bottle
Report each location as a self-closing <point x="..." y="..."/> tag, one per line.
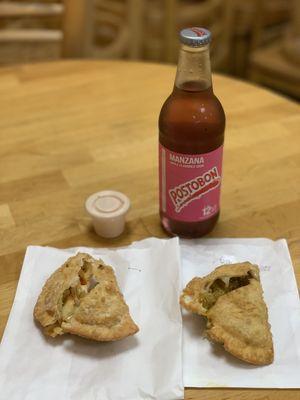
<point x="191" y="136"/>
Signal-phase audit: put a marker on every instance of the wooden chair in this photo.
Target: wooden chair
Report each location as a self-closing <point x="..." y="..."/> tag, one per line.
<point x="166" y="18"/>
<point x="125" y="22"/>
<point x="277" y="64"/>
<point x="77" y="34"/>
<point x="243" y="26"/>
<point x="74" y="38"/>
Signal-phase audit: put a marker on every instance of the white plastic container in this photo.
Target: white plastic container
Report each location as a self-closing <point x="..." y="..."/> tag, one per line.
<point x="108" y="209"/>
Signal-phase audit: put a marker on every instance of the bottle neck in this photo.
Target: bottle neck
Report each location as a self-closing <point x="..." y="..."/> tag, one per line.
<point x="193" y="70"/>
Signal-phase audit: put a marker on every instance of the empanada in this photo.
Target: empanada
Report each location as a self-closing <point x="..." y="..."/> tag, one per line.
<point x="82" y="297"/>
<point x="231" y="298"/>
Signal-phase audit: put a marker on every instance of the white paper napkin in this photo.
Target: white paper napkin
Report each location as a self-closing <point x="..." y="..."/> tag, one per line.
<point x="205" y="364"/>
<point x="209" y="365"/>
<point x="145" y="366"/>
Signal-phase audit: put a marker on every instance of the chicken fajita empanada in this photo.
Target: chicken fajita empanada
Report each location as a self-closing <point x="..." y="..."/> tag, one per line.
<point x="231" y="298"/>
<point x="82" y="297"/>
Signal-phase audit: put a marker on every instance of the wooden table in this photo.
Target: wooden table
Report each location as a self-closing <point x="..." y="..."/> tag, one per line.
<point x="71" y="128"/>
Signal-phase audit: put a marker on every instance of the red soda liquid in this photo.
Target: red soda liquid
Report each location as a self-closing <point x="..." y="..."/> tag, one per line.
<point x="191" y="121"/>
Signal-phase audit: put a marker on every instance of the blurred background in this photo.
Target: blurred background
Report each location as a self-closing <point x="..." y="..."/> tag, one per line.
<point x="256" y="40"/>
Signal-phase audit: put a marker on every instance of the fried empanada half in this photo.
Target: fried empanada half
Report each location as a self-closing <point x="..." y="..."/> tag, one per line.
<point x="201" y="294"/>
<point x="231" y="298"/>
<point x="82" y="297"/>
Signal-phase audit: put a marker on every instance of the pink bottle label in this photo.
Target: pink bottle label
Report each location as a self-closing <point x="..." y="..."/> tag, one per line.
<point x="190" y="184"/>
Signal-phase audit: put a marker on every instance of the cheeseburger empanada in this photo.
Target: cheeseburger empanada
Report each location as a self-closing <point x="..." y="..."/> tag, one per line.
<point x="82" y="297"/>
<point x="231" y="298"/>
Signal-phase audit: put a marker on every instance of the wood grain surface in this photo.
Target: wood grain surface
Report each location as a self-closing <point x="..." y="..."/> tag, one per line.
<point x="68" y="129"/>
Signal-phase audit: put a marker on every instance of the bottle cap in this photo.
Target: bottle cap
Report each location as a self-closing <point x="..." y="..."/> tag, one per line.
<point x="108" y="209"/>
<point x="195" y="37"/>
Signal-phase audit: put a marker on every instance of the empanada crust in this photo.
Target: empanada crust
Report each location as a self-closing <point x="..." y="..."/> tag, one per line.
<point x="239" y="318"/>
<point x="96" y="308"/>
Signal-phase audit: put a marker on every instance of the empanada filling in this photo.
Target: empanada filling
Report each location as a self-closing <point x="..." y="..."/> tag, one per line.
<point x="72" y="296"/>
<point x="220" y="287"/>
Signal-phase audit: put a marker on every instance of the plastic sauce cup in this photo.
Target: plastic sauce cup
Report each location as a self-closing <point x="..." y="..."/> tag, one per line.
<point x="108" y="209"/>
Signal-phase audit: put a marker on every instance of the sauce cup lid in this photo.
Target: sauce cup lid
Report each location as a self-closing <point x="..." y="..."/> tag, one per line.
<point x="107" y="204"/>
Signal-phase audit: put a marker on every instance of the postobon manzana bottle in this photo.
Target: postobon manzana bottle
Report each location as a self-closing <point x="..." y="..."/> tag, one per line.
<point x="191" y="136"/>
